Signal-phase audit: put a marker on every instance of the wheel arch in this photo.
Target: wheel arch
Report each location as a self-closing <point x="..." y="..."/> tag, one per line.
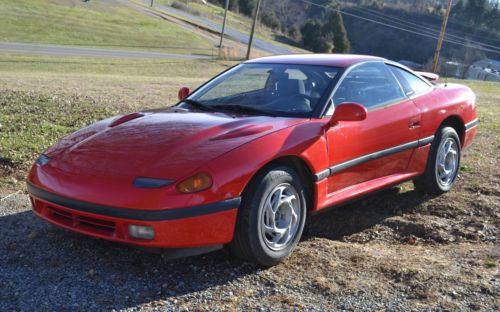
<point x="456" y="123"/>
<point x="300" y="166"/>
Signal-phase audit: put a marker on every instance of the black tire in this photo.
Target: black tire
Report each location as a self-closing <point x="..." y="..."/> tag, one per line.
<point x="249" y="243"/>
<point x="429" y="182"/>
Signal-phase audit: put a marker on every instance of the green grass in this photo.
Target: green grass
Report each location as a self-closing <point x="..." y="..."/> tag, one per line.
<point x="32" y="121"/>
<point x="488" y="104"/>
<point x="235" y="21"/>
<point x="489" y="263"/>
<point x="174" y="68"/>
<point x="94" y="23"/>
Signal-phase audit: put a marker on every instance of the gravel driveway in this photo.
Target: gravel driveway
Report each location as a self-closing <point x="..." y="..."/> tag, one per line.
<point x="45" y="268"/>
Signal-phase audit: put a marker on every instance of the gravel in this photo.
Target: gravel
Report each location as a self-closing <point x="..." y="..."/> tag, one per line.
<point x="353" y="258"/>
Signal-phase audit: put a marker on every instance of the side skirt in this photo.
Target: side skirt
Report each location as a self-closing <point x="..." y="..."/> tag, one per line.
<point x="361" y="190"/>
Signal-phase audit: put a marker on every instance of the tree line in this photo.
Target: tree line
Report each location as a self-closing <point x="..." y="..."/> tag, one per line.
<point x="324" y="28"/>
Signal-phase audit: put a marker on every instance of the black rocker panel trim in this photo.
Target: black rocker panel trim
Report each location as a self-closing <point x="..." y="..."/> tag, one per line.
<point x="372" y="156"/>
<point x="471" y="124"/>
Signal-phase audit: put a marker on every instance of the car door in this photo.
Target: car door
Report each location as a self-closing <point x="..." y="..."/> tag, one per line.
<point x="382" y="144"/>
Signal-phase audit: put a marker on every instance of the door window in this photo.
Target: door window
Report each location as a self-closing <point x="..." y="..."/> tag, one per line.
<point x="411" y="83"/>
<point x="370" y="85"/>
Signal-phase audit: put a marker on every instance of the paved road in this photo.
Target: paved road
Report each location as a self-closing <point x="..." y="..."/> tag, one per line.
<point x="234" y="34"/>
<point x="50" y="49"/>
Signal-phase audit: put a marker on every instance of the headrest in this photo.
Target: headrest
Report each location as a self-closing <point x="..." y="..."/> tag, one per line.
<point x="289" y="87"/>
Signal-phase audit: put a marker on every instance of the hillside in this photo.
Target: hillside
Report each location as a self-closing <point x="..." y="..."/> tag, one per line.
<point x="403" y="29"/>
<point x="107" y="23"/>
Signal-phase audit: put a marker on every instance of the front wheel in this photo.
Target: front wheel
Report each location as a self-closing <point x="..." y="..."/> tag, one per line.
<point x="442" y="165"/>
<point x="271" y="218"/>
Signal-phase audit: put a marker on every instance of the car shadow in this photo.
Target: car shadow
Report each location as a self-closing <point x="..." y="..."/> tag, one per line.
<point x="44" y="266"/>
<point x="362" y="214"/>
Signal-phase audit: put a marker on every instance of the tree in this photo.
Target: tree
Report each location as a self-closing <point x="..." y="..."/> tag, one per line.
<point x="476" y="9"/>
<point x="270" y="20"/>
<point x="320" y="9"/>
<point x="335" y="28"/>
<point x="247" y="6"/>
<point x="458" y="10"/>
<point x="313" y="38"/>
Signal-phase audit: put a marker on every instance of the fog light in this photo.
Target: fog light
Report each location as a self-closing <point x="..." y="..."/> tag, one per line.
<point x="142" y="232"/>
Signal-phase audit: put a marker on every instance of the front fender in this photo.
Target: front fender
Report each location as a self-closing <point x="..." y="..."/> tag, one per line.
<point x="234" y="170"/>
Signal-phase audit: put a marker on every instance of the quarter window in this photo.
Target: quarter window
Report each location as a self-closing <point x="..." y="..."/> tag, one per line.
<point x="370" y="85"/>
<point x="411" y="83"/>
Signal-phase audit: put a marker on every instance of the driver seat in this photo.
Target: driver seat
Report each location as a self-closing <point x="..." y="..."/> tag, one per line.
<point x="290" y="87"/>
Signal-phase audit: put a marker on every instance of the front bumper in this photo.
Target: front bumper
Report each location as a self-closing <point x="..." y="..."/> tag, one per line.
<point x="195" y="226"/>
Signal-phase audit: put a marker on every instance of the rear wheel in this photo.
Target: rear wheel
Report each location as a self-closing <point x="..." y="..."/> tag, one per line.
<point x="442" y="165"/>
<point x="271" y="218"/>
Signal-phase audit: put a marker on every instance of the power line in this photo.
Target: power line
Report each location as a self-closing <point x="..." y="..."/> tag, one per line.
<point x="419" y="26"/>
<point x="450" y="21"/>
<point x="428" y="30"/>
<point x="403" y="29"/>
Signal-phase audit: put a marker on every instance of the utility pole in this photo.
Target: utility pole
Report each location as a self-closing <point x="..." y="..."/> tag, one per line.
<point x="253" y="29"/>
<point x="441" y="38"/>
<point x="223" y="24"/>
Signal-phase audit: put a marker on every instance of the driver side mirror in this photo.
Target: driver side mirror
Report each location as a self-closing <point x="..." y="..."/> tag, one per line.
<point x="348" y="112"/>
<point x="183" y="93"/>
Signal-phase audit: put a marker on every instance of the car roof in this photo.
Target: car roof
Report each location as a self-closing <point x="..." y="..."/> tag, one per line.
<point x="335" y="60"/>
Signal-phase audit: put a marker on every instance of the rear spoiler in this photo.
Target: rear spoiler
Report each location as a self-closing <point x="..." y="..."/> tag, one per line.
<point x="428" y="76"/>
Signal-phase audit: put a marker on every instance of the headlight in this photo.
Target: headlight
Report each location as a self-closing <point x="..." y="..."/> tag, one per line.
<point x="143" y="182"/>
<point x="42" y="160"/>
<point x="196" y="183"/>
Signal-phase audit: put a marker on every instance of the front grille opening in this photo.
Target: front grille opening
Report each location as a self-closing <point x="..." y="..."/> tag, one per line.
<point x="103" y="225"/>
<point x="61" y="214"/>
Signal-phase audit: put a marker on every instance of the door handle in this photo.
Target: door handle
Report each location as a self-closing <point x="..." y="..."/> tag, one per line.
<point x="414" y="123"/>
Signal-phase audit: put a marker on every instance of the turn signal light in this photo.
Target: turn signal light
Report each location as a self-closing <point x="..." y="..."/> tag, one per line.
<point x="196" y="183"/>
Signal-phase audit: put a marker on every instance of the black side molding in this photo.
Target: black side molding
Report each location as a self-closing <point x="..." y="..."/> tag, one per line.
<point x="471" y="124"/>
<point x="372" y="156"/>
<point x="135" y="214"/>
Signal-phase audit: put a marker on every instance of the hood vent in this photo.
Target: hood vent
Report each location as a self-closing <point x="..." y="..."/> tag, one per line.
<point x="125" y="118"/>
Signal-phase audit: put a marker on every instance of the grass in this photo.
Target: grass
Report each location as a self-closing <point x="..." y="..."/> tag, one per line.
<point x="488" y="99"/>
<point x="94" y="23"/>
<point x="32" y="121"/>
<point x="235" y="21"/>
<point x="174" y="68"/>
<point x="216" y="13"/>
<point x="489" y="263"/>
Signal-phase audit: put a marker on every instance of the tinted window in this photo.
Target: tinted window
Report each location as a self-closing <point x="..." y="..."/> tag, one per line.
<point x="411" y="83"/>
<point x="281" y="89"/>
<point x="370" y="85"/>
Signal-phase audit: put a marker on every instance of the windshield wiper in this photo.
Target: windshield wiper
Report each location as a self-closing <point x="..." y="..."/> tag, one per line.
<point x="198" y="104"/>
<point x="243" y="109"/>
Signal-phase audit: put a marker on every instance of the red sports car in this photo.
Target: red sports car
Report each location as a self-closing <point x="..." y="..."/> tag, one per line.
<point x="242" y="161"/>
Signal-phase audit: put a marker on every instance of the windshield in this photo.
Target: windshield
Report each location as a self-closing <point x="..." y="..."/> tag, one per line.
<point x="267" y="89"/>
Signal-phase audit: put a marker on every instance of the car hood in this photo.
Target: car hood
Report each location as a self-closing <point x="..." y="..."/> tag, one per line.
<point x="167" y="143"/>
